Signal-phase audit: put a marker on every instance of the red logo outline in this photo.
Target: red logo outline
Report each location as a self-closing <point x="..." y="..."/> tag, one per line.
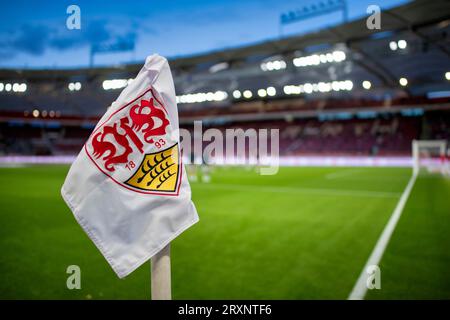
<point x="180" y="167"/>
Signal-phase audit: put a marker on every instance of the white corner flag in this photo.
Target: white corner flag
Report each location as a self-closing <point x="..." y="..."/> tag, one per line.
<point x="128" y="188"/>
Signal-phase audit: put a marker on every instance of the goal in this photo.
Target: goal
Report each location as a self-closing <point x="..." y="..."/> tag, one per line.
<point x="430" y="156"/>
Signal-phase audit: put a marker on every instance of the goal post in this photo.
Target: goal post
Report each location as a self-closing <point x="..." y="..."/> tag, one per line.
<point x="430" y="155"/>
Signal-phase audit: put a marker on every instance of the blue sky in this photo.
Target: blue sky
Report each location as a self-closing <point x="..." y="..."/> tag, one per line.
<point x="33" y="34"/>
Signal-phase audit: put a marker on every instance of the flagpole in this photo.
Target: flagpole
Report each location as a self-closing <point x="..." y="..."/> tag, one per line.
<point x="161" y="284"/>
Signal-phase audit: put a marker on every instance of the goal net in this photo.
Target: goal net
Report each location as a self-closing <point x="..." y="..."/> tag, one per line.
<point x="430" y="156"/>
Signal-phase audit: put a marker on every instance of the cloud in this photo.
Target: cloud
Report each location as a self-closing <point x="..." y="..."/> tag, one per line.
<point x="36" y="39"/>
<point x="30" y="39"/>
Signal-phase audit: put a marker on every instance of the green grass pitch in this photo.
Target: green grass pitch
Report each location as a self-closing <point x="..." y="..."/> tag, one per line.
<point x="304" y="233"/>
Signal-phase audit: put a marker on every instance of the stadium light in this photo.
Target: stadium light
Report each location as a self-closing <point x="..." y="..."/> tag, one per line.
<point x="220" y="95"/>
<point x="402" y="44"/>
<point x="314" y="10"/>
<point x="316" y="59"/>
<point x="35" y="113"/>
<point x="271" y="91"/>
<point x="403" y="82"/>
<point x="338" y="56"/>
<point x="308" y="87"/>
<point x="393" y="45"/>
<point x="14" y="87"/>
<point x="202" y="97"/>
<point x="114" y="84"/>
<point x="262" y="93"/>
<point x="74" y="86"/>
<point x="348" y="85"/>
<point x="367" y="84"/>
<point x="323" y="87"/>
<point x="273" y="65"/>
<point x="447" y="76"/>
<point x="293" y="89"/>
<point x="51" y="114"/>
<point x="44" y="113"/>
<point x="288" y="89"/>
<point x="237" y="94"/>
<point x="219" y="67"/>
<point x="247" y="94"/>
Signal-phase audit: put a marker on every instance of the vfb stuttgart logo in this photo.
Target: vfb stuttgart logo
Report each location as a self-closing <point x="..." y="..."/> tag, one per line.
<point x="134" y="147"/>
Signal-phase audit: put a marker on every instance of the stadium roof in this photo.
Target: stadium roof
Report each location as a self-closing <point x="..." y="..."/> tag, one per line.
<point x="422" y="26"/>
<point x="414" y="15"/>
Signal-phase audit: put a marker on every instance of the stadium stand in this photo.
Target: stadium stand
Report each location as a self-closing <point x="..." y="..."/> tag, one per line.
<point x="352" y="105"/>
<point x="383" y="135"/>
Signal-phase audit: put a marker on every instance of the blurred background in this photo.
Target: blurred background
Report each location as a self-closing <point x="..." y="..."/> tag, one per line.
<point x="349" y="87"/>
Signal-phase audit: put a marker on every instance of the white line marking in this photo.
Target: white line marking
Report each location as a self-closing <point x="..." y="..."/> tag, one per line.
<point x="281" y="189"/>
<point x="360" y="288"/>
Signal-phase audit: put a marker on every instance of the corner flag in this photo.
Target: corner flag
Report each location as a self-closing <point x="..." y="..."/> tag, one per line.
<point x="127" y="188"/>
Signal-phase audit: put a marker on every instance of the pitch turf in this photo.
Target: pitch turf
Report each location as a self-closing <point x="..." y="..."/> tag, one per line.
<point x="304" y="233"/>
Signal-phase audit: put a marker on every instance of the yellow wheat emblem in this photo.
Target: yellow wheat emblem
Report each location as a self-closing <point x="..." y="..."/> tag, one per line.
<point x="158" y="171"/>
